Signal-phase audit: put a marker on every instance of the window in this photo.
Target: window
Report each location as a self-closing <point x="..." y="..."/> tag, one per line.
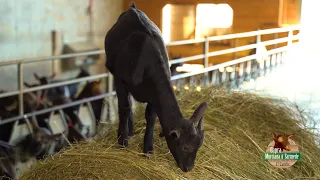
<point x="189" y="21"/>
<point x="213" y="17"/>
<point x="178" y="22"/>
<point x="166" y="23"/>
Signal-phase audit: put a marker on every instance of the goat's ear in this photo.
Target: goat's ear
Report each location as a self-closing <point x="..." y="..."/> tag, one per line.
<point x="133" y="5"/>
<point x="198" y="113"/>
<point x="291" y="135"/>
<point x="175" y="134"/>
<point x="200" y="125"/>
<point x="36" y="76"/>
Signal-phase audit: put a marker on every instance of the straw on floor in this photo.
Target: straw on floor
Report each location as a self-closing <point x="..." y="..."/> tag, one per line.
<point x="238" y="128"/>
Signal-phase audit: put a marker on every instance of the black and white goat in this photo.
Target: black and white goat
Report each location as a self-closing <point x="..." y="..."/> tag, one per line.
<point x="137" y="58"/>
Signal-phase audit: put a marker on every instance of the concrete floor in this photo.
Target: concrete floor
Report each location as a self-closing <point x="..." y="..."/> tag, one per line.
<point x="296" y="81"/>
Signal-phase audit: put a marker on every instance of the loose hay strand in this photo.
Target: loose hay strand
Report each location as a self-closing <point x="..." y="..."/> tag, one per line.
<point x="238" y="128"/>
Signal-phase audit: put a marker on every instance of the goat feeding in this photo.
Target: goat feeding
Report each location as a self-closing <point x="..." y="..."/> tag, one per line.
<point x="137" y="58"/>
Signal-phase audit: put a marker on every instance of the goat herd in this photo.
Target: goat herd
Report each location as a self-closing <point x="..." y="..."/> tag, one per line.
<point x="38" y="143"/>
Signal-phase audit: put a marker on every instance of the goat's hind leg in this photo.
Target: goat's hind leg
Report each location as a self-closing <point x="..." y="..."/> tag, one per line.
<point x="124" y="109"/>
<point x="130" y="120"/>
<point x="150" y="116"/>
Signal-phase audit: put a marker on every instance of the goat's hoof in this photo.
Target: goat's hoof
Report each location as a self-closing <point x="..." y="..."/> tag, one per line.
<point x="148" y="155"/>
<point x="123" y="142"/>
<point x="148" y="150"/>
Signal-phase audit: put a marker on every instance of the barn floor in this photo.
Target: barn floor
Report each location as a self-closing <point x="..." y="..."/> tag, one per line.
<point x="296" y="81"/>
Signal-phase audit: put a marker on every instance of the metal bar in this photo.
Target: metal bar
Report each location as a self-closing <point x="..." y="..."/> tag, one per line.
<point x="53" y="41"/>
<point x="275" y="41"/>
<point x="276" y="37"/>
<point x="66" y="82"/>
<point x="234" y="46"/>
<point x="214" y="67"/>
<point x="227" y="51"/>
<point x="206" y="51"/>
<point x="290" y="37"/>
<point x="55" y="108"/>
<point x="272" y="51"/>
<point x="32" y="60"/>
<point x="241" y="69"/>
<point x="20" y="87"/>
<point x="184" y="42"/>
<point x="260" y="58"/>
<point x="7" y="94"/>
<point x="232" y="36"/>
<point x="229" y="63"/>
<point x="231" y="50"/>
<point x="186" y="59"/>
<point x="252" y="33"/>
<point x="110" y="103"/>
<point x="206" y="59"/>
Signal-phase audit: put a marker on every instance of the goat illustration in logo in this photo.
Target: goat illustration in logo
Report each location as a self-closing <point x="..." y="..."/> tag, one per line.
<point x="282" y="152"/>
<point x="281" y="142"/>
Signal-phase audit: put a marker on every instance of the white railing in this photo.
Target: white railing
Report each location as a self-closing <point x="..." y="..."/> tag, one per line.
<point x="205" y="56"/>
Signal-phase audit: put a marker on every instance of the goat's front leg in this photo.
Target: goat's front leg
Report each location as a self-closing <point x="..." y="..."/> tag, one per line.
<point x="124" y="109"/>
<point x="150" y="116"/>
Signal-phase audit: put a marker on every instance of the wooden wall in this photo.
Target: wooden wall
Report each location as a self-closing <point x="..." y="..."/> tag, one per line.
<point x="248" y="16"/>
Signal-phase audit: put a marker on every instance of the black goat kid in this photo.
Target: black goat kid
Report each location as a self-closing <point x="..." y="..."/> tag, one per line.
<point x="138" y="60"/>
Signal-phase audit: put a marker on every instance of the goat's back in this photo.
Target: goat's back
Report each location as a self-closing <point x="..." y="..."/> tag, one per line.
<point x="149" y="46"/>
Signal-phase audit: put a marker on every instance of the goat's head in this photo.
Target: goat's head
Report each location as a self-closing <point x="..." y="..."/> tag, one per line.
<point x="185" y="140"/>
<point x="35" y="143"/>
<point x="282" y="141"/>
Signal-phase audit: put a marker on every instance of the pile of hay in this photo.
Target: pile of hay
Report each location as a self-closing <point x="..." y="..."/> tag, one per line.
<point x="238" y="128"/>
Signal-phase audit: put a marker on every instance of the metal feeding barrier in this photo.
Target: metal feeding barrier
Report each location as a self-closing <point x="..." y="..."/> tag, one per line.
<point x="241" y="68"/>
